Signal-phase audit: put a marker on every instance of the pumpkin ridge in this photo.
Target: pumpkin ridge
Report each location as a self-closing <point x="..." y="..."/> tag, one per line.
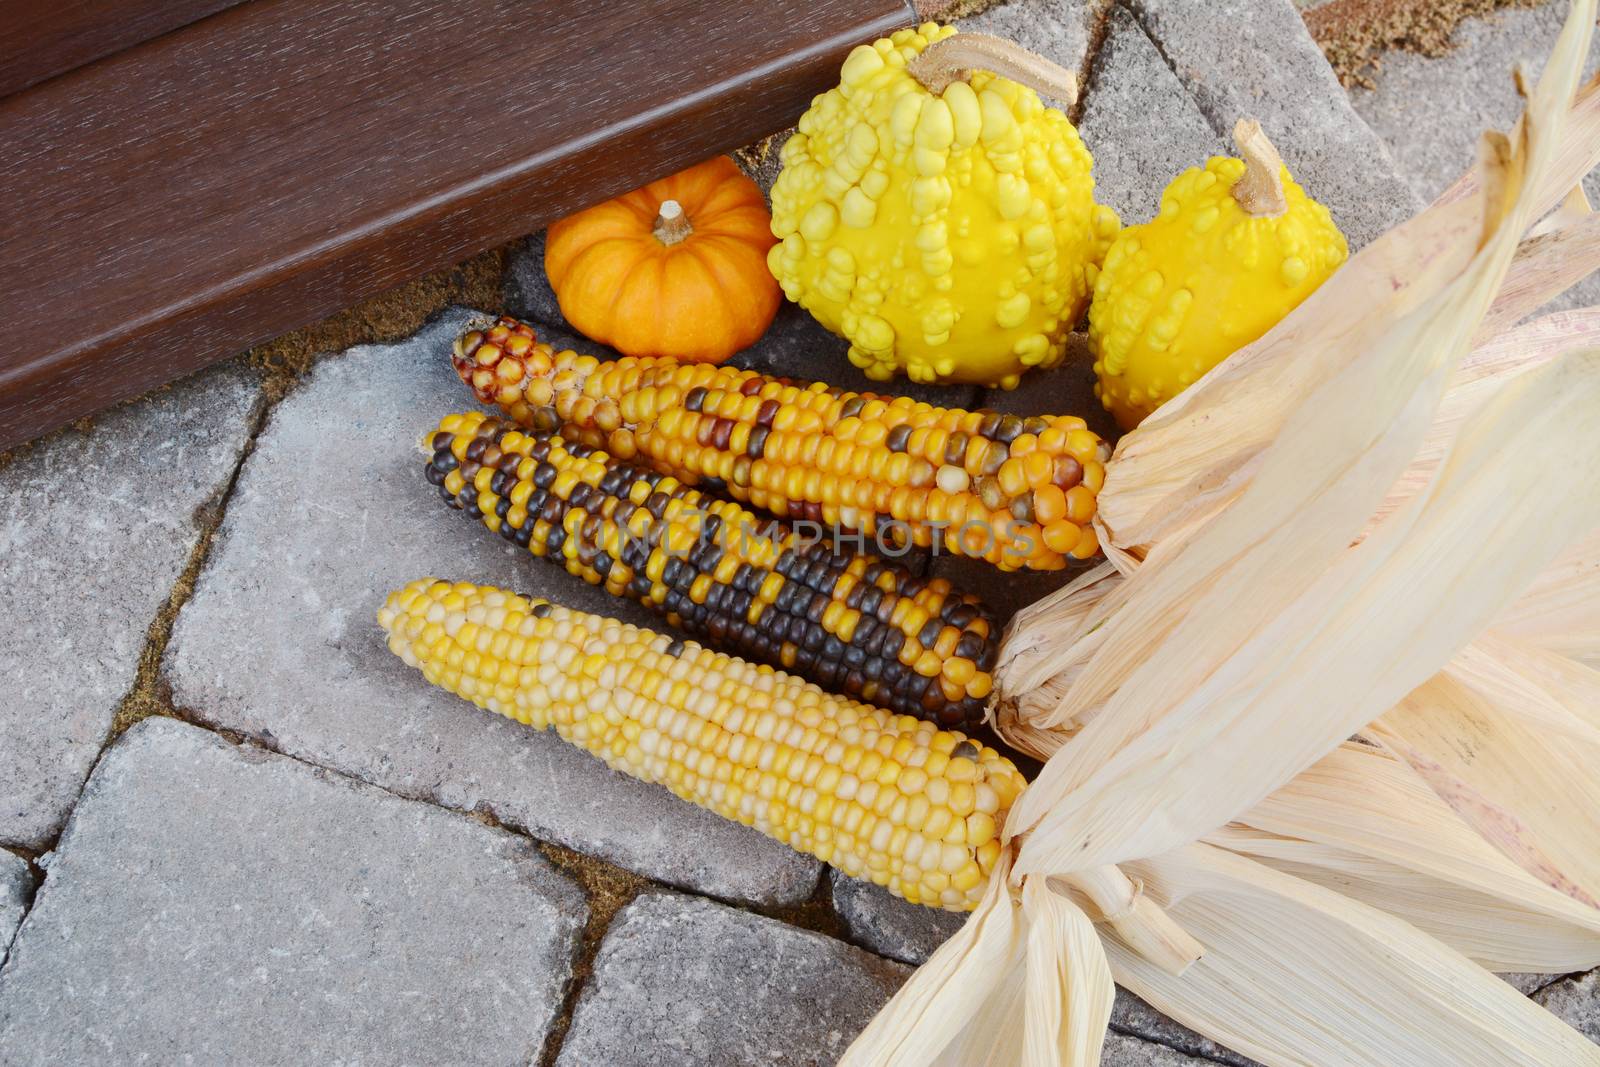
<point x="640" y="206"/>
<point x="740" y="224"/>
<point x="621" y="331"/>
<point x="728" y="196"/>
<point x="563" y="243"/>
<point x="588" y="285"/>
<point x="730" y="241"/>
<point x="702" y="256"/>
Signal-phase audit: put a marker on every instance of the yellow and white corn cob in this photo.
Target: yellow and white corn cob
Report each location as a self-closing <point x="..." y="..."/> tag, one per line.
<point x="885" y="797"/>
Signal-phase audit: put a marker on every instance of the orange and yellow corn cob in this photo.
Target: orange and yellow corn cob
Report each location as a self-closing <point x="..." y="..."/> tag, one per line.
<point x="851" y="623"/>
<point x="880" y="796"/>
<point x="1018" y="492"/>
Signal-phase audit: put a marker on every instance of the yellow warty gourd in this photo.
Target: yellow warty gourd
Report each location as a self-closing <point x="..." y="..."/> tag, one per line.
<point x="1236" y="246"/>
<point x="941" y="217"/>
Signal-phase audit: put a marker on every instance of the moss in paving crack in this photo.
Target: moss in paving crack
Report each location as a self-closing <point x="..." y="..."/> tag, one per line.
<point x="816" y="913"/>
<point x="1099" y="30"/>
<point x="149" y="694"/>
<point x="751" y="156"/>
<point x="950" y="10"/>
<point x="1353" y="33"/>
<point x="389" y="316"/>
<point x="609" y="889"/>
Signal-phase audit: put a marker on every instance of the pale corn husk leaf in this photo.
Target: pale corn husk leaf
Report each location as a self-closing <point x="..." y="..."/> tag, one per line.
<point x="1069" y="985"/>
<point x="936" y="1017"/>
<point x="1029" y="650"/>
<point x="1298" y="974"/>
<point x="1362" y="823"/>
<point x="1560" y="611"/>
<point x="1108" y="896"/>
<point x="1388" y="615"/>
<point x="1574" y="207"/>
<point x="1494" y="934"/>
<point x="1532" y="794"/>
<point x="1546" y="265"/>
<point x="1196" y="452"/>
<point x="1529" y="651"/>
<point x="1023" y="982"/>
<point x="1482" y="371"/>
<point x="1550" y="691"/>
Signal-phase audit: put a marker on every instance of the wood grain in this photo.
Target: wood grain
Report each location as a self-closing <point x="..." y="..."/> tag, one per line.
<point x="42" y="38"/>
<point x="255" y="171"/>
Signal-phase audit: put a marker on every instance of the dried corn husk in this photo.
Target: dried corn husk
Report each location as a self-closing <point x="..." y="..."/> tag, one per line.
<point x="1531" y="793"/>
<point x="1546" y="265"/>
<point x="1034" y="988"/>
<point x="1360" y="822"/>
<point x="1284" y="583"/>
<point x="1560" y="611"/>
<point x="1396" y="608"/>
<point x="1483" y="371"/>
<point x="1298" y="974"/>
<point x="1554" y="693"/>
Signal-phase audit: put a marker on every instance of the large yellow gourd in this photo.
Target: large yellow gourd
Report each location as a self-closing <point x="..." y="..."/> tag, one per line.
<point x="949" y="232"/>
<point x="1237" y="246"/>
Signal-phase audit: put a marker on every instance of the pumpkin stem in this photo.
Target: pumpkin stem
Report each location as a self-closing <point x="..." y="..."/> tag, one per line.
<point x="672" y="225"/>
<point x="1260" y="191"/>
<point x="957" y="56"/>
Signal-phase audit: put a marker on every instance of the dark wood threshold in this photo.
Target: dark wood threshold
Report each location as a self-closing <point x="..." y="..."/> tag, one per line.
<point x="245" y="174"/>
<point x="42" y="38"/>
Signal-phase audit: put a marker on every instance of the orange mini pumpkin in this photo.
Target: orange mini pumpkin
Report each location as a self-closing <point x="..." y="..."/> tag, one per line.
<point x="678" y="268"/>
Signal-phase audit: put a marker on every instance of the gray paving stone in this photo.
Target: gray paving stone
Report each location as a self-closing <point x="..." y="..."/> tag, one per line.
<point x="1131" y="88"/>
<point x="280" y="642"/>
<point x="1132" y="1016"/>
<point x="1059" y="30"/>
<point x="1431" y="112"/>
<point x="878" y="920"/>
<point x="210" y="904"/>
<point x="16" y="890"/>
<point x="1577" y="1001"/>
<point x="684" y="982"/>
<point x="1529" y="984"/>
<point x="1120" y="1050"/>
<point x="1255" y="57"/>
<point x="97" y="526"/>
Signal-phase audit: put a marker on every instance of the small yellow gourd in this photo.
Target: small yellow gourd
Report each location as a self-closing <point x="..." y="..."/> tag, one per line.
<point x="938" y="216"/>
<point x="1237" y="246"/>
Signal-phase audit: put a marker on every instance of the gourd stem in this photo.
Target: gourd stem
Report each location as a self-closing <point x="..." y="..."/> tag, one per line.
<point x="957" y="56"/>
<point x="1260" y="191"/>
<point x="672" y="225"/>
